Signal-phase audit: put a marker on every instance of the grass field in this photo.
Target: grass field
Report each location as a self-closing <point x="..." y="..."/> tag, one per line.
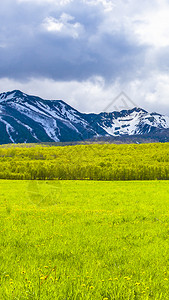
<point x="84" y="240"/>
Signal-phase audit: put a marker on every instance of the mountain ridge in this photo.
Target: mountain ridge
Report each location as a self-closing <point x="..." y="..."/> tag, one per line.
<point x="30" y="119"/>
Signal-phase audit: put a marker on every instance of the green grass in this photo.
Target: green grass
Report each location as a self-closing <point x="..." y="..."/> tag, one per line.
<point x="84" y="240"/>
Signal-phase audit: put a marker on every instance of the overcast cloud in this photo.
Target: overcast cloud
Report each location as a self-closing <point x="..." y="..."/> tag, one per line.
<point x="87" y="51"/>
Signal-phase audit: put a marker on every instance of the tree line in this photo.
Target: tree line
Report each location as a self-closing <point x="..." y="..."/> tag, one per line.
<point x="90" y="162"/>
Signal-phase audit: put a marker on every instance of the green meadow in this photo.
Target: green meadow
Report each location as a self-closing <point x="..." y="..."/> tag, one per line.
<point x="84" y="240"/>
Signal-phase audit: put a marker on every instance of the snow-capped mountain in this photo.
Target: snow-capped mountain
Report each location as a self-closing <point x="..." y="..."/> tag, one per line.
<point x="30" y="119"/>
<point x="25" y="118"/>
<point x="135" y="121"/>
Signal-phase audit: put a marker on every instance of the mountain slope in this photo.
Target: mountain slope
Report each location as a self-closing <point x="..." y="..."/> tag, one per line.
<point x="25" y="118"/>
<point x="30" y="119"/>
<point x="128" y="122"/>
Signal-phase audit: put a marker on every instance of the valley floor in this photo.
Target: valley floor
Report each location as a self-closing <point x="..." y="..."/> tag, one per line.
<point x="84" y="240"/>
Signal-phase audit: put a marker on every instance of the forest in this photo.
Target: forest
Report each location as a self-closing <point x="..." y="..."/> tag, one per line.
<point x="89" y="162"/>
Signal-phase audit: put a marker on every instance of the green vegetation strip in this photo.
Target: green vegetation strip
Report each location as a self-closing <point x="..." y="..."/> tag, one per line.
<point x="84" y="240"/>
<point x="92" y="162"/>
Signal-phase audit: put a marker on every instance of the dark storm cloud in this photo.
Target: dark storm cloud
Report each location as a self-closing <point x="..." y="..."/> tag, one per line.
<point x="64" y="42"/>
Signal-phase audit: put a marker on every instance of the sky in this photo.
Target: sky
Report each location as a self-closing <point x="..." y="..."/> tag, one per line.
<point x="86" y="52"/>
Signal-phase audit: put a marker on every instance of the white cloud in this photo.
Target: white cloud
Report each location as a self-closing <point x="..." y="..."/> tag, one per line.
<point x="56" y="2"/>
<point x="86" y="96"/>
<point x="107" y="4"/>
<point x="64" y="25"/>
<point x="122" y="41"/>
<point x="153" y="29"/>
<point x="93" y="95"/>
<point x="51" y="24"/>
<point x="147" y="22"/>
<point x="151" y="92"/>
<point x="160" y="93"/>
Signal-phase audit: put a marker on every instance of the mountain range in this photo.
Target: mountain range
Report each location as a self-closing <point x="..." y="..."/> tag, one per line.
<point x="30" y="119"/>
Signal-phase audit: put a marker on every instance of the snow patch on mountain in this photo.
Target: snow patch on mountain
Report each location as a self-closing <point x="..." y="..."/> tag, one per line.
<point x="136" y="122"/>
<point x="9" y="129"/>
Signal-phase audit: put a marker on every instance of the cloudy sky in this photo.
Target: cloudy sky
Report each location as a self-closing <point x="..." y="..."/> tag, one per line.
<point x="87" y="51"/>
